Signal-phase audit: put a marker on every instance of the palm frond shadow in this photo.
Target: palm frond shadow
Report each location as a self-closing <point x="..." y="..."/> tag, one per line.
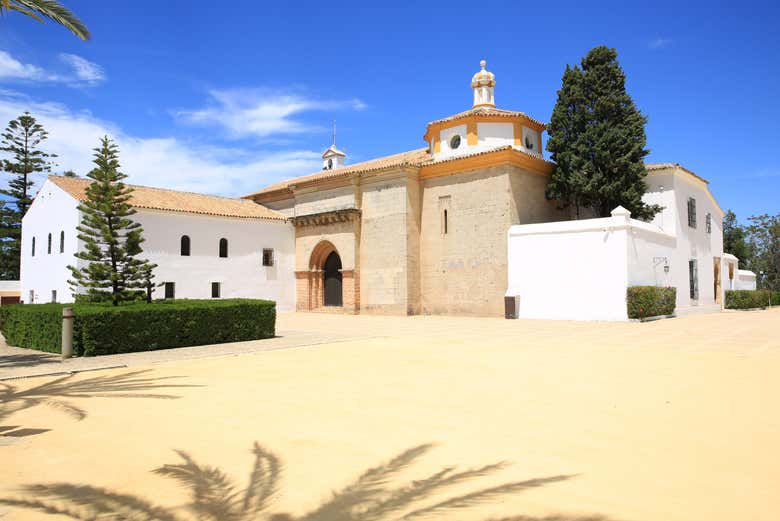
<point x="213" y="495"/>
<point x="56" y="393"/>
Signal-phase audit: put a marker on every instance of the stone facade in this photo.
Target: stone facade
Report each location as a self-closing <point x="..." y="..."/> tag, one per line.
<point x="423" y="231"/>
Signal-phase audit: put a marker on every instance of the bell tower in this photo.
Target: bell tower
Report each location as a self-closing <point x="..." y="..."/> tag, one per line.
<point x="333" y="158"/>
<point x="483" y="84"/>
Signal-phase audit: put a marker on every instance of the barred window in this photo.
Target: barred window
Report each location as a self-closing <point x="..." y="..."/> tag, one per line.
<point x="708" y="223"/>
<point x="170" y="290"/>
<point x="692" y="212"/>
<point x="268" y="257"/>
<point x="216" y="289"/>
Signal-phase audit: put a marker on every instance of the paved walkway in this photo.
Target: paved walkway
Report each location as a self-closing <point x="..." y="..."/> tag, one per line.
<point x="17" y="362"/>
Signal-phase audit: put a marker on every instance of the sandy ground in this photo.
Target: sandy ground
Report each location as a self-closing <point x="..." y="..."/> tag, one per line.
<point x="671" y="420"/>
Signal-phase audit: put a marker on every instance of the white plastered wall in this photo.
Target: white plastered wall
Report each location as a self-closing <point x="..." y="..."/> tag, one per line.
<point x="52" y="212"/>
<point x="241" y="274"/>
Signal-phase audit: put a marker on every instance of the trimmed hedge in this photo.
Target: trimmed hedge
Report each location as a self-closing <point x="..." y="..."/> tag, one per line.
<point x="650" y="301"/>
<point x="750" y="299"/>
<point x="104" y="329"/>
<point x="34" y="326"/>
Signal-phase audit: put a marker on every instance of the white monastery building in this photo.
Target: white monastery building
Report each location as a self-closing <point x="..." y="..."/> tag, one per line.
<point x="451" y="228"/>
<point x="204" y="246"/>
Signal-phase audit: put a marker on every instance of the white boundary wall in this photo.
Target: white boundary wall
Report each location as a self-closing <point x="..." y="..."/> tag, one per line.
<point x="579" y="270"/>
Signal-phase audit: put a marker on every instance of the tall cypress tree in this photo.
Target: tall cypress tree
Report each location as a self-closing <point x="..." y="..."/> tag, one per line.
<point x="21" y="140"/>
<point x="112" y="240"/>
<point x="597" y="140"/>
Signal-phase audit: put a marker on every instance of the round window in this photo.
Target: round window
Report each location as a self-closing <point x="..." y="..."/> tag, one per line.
<point x="454" y="141"/>
<point x="528" y="143"/>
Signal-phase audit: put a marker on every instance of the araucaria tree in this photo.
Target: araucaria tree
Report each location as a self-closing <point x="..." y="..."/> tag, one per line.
<point x="20" y="140"/>
<point x="112" y="240"/>
<point x="597" y="140"/>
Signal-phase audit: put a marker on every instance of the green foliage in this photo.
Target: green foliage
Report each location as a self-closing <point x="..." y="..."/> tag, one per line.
<point x="751" y="299"/>
<point x="37" y="326"/>
<point x="650" y="301"/>
<point x="102" y="329"/>
<point x="112" y="240"/>
<point x="20" y="141"/>
<point x="597" y="140"/>
<point x="735" y="239"/>
<point x="47" y="9"/>
<point x="764" y="232"/>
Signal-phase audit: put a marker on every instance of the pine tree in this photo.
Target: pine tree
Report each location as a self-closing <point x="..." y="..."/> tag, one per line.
<point x="20" y="140"/>
<point x="112" y="240"/>
<point x="597" y="140"/>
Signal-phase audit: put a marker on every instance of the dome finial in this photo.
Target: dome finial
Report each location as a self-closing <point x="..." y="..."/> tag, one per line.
<point x="483" y="83"/>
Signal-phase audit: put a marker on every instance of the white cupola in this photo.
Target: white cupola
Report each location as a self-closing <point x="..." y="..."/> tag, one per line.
<point x="333" y="158"/>
<point x="483" y="84"/>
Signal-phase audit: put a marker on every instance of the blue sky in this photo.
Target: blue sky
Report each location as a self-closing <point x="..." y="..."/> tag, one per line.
<point x="228" y="100"/>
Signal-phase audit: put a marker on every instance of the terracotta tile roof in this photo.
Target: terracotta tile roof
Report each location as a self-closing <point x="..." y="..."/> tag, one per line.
<point x="174" y="201"/>
<point x="411" y="158"/>
<point x="487" y="112"/>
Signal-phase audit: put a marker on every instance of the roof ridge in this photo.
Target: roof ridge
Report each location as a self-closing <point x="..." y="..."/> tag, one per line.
<point x="85" y="179"/>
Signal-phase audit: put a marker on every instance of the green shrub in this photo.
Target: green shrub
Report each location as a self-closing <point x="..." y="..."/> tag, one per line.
<point x="751" y="299"/>
<point x="37" y="326"/>
<point x="101" y="329"/>
<point x="650" y="301"/>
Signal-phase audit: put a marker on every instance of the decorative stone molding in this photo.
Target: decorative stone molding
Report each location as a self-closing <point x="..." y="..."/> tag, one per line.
<point x="331" y="217"/>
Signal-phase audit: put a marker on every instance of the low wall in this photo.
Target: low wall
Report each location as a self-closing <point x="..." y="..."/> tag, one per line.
<point x="745" y="279"/>
<point x="579" y="270"/>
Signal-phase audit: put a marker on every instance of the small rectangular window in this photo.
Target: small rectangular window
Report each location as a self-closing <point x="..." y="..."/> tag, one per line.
<point x="708" y="223"/>
<point x="444" y="208"/>
<point x="268" y="257"/>
<point x="54" y="295"/>
<point x="170" y="290"/>
<point x="215" y="289"/>
<point x="33" y="247"/>
<point x="31" y="297"/>
<point x="692" y="212"/>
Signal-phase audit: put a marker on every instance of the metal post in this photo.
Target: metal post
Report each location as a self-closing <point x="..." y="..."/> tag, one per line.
<point x="67" y="332"/>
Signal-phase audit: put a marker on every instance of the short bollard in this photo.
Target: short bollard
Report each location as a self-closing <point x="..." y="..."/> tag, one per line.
<point x="67" y="332"/>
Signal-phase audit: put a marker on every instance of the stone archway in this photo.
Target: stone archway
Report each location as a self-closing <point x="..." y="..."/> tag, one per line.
<point x="326" y="285"/>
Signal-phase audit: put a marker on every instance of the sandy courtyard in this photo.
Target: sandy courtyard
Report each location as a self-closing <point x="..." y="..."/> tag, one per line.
<point x="670" y="420"/>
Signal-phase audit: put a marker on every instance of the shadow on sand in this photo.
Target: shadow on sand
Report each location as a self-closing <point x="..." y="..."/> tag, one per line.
<point x="215" y="496"/>
<point x="56" y="393"/>
<point x="30" y="360"/>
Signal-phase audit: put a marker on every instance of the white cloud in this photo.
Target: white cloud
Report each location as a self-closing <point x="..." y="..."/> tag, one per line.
<point x="11" y="68"/>
<point x="659" y="43"/>
<point x="80" y="71"/>
<point x="160" y="161"/>
<point x="84" y="69"/>
<point x="261" y="112"/>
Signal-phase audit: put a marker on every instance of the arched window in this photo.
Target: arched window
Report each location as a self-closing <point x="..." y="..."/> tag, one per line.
<point x="223" y="247"/>
<point x="185" y="245"/>
<point x="33" y="247"/>
<point x="48" y="247"/>
<point x="62" y="241"/>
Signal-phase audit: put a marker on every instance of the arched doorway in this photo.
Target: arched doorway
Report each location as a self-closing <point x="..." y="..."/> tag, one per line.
<point x="332" y="275"/>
